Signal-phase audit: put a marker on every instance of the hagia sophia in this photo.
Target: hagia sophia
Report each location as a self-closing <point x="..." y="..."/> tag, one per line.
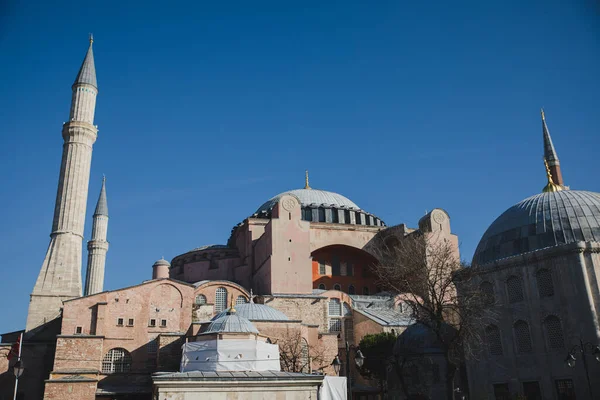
<point x="298" y="268"/>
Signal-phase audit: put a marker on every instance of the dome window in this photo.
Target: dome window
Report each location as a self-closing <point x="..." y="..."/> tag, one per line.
<point x="514" y="288"/>
<point x="492" y="334"/>
<point x="544" y="283"/>
<point x="554" y="332"/>
<point x="522" y="337"/>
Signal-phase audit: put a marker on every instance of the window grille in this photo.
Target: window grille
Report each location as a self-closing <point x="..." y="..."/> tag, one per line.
<point x="343" y="269"/>
<point x="514" y="289"/>
<point x="522" y="337"/>
<point x="565" y="389"/>
<point x="337" y="287"/>
<point x="240" y="300"/>
<point x="544" y="283"/>
<point x="322" y="286"/>
<point x="200" y="299"/>
<point x="487" y="292"/>
<point x="220" y="299"/>
<point x="349" y="330"/>
<point x="152" y="346"/>
<point x="351" y="289"/>
<point x="554" y="333"/>
<point x="494" y="340"/>
<point x="116" y="360"/>
<point x="335" y="325"/>
<point x="335" y="308"/>
<point x="322" y="269"/>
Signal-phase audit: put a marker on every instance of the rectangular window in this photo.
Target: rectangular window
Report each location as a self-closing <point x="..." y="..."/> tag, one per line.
<point x="322" y="270"/>
<point x="130" y="322"/>
<point x="343" y="269"/>
<point x="335" y="325"/>
<point x="532" y="390"/>
<point x="334" y="216"/>
<point x="163" y="323"/>
<point x="119" y="321"/>
<point x="152" y="322"/>
<point x="565" y="389"/>
<point x="501" y="391"/>
<point x="78" y="330"/>
<point x="335" y="266"/>
<point x="335" y="308"/>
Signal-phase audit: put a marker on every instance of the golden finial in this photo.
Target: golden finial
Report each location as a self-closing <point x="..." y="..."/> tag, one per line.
<point x="91" y="38"/>
<point x="543" y="116"/>
<point x="551" y="186"/>
<point x="232" y="308"/>
<point x="306" y="185"/>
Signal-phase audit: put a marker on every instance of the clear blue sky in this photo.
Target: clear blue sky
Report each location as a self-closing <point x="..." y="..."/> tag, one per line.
<point x="207" y="109"/>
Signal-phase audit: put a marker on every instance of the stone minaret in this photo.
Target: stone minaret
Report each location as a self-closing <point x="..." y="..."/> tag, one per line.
<point x="98" y="246"/>
<point x="60" y="275"/>
<point x="550" y="154"/>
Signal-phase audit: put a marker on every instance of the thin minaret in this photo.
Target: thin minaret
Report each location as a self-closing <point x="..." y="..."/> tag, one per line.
<point x="550" y="154"/>
<point x="98" y="246"/>
<point x="60" y="275"/>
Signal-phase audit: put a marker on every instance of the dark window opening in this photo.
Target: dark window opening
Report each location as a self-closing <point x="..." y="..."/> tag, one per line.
<point x="152" y="322"/>
<point x="130" y="322"/>
<point x="346" y="216"/>
<point x="321" y="214"/>
<point x="78" y="329"/>
<point x="565" y="389"/>
<point x="163" y="323"/>
<point x="501" y="391"/>
<point x="335" y="266"/>
<point x="120" y="322"/>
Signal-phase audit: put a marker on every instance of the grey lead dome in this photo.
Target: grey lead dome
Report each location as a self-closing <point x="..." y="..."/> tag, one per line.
<point x="256" y="312"/>
<point x="541" y="221"/>
<point x="312" y="196"/>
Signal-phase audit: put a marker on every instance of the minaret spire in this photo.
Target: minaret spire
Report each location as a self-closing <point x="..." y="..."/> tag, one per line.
<point x="97" y="246"/>
<point x="60" y="274"/>
<point x="550" y="154"/>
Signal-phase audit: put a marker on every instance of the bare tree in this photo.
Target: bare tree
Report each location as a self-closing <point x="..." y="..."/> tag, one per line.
<point x="296" y="355"/>
<point x="426" y="269"/>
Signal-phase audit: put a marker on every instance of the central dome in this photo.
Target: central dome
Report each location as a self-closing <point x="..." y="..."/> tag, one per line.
<point x="541" y="221"/>
<point x="312" y="196"/>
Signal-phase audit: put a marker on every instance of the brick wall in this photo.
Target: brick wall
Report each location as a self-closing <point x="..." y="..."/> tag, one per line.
<point x="70" y="390"/>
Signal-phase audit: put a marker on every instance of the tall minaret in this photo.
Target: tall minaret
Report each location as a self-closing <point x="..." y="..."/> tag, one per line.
<point x="98" y="246"/>
<point x="550" y="154"/>
<point x="60" y="275"/>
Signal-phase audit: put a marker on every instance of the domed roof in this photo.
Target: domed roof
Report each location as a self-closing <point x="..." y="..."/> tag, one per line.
<point x="160" y="262"/>
<point x="231" y="323"/>
<point x="256" y="312"/>
<point x="541" y="221"/>
<point x="312" y="196"/>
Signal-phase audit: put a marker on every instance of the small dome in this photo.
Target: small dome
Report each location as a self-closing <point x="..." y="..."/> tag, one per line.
<point x="160" y="262"/>
<point x="541" y="221"/>
<point x="256" y="312"/>
<point x="231" y="323"/>
<point x="312" y="196"/>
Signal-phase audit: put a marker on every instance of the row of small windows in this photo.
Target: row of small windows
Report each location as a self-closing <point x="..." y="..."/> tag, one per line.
<point x="522" y="336"/>
<point x="220" y="299"/>
<point x="514" y="288"/>
<point x="84" y="90"/>
<point x="130" y="322"/>
<point x="351" y="288"/>
<point x="337" y="268"/>
<point x="332" y="215"/>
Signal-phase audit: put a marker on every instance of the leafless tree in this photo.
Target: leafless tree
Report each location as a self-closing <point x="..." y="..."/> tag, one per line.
<point x="296" y="355"/>
<point x="426" y="270"/>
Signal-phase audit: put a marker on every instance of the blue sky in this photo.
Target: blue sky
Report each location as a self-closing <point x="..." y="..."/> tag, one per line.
<point x="207" y="109"/>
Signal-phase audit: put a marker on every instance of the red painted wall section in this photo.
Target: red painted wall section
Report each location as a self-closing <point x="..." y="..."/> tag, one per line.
<point x="354" y="269"/>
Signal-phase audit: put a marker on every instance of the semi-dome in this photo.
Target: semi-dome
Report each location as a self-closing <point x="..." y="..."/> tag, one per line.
<point x="231" y="323"/>
<point x="256" y="312"/>
<point x="541" y="221"/>
<point x="312" y="196"/>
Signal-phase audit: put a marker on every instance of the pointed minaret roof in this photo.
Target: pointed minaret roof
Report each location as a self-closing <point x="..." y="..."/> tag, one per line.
<point x="549" y="151"/>
<point x="102" y="206"/>
<point x="87" y="72"/>
<point x="550" y="156"/>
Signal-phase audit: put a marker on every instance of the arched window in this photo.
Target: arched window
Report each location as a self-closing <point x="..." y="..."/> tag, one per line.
<point x="514" y="289"/>
<point x="544" y="283"/>
<point x="366" y="291"/>
<point x="321" y="214"/>
<point x="241" y="300"/>
<point x="307" y="214"/>
<point x="487" y="293"/>
<point x="492" y="335"/>
<point x="337" y="287"/>
<point x="335" y="308"/>
<point x="554" y="333"/>
<point x="322" y="286"/>
<point x="220" y="299"/>
<point x="522" y="337"/>
<point x="116" y="360"/>
<point x="351" y="289"/>
<point x="200" y="299"/>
